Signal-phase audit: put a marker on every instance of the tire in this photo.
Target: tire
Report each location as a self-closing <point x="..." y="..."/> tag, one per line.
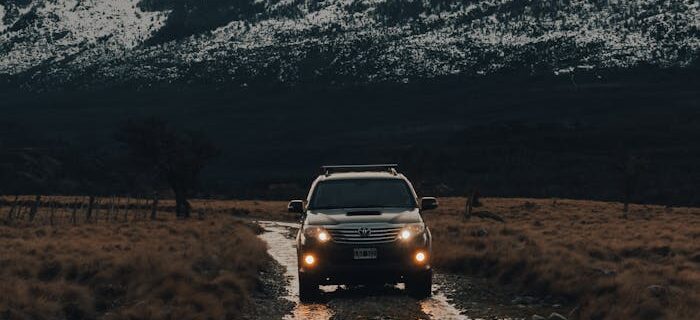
<point x="420" y="285"/>
<point x="308" y="289"/>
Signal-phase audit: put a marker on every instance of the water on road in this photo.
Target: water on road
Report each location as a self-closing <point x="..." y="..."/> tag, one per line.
<point x="341" y="302"/>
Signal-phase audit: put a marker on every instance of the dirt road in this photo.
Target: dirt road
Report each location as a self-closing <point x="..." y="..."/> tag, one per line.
<point x="454" y="296"/>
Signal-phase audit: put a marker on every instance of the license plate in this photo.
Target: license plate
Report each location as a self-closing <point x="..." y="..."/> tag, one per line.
<point x="364" y="253"/>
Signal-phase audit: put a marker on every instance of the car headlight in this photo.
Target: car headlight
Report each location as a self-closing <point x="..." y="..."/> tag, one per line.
<point x="411" y="230"/>
<point x="317" y="233"/>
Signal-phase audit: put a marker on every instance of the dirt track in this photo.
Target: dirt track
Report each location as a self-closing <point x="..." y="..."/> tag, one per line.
<point x="454" y="296"/>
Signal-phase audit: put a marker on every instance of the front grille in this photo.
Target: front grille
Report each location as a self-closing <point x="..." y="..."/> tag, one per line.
<point x="354" y="235"/>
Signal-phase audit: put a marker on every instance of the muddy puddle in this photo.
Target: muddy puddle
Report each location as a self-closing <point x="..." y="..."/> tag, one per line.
<point x="359" y="302"/>
<point x="282" y="248"/>
<point x="455" y="297"/>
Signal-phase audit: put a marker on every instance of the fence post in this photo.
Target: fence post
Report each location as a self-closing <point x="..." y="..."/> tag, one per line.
<point x="144" y="209"/>
<point x="111" y="208"/>
<point x="75" y="210"/>
<point x="10" y="215"/>
<point x="137" y="208"/>
<point x="35" y="208"/>
<point x="98" y="207"/>
<point x="470" y="205"/>
<point x="66" y="210"/>
<point x="154" y="209"/>
<point x="23" y="211"/>
<point x="52" y="209"/>
<point x="117" y="209"/>
<point x="126" y="210"/>
<point x="201" y="211"/>
<point x="88" y="213"/>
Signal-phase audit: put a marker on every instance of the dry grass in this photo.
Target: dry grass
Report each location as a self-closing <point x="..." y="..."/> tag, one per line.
<point x="196" y="269"/>
<point x="645" y="265"/>
<point x="263" y="210"/>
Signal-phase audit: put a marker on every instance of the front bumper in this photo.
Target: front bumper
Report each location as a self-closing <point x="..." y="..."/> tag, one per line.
<point x="335" y="264"/>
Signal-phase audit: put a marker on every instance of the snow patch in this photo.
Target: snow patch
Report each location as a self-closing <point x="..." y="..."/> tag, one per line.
<point x="70" y="27"/>
<point x="353" y="42"/>
<point x="2" y="19"/>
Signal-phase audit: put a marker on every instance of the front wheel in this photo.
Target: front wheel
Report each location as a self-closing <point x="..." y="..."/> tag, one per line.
<point x="308" y="289"/>
<point x="420" y="284"/>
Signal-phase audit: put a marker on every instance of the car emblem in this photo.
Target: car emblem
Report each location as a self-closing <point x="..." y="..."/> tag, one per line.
<point x="364" y="232"/>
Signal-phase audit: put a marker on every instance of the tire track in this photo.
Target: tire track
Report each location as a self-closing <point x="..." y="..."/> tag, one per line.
<point x="343" y="302"/>
<point x="282" y="249"/>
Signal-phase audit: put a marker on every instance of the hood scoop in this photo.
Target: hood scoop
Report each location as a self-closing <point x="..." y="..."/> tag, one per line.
<point x="363" y="213"/>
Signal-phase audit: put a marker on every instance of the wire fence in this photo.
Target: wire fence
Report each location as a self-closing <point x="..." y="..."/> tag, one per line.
<point x="74" y="210"/>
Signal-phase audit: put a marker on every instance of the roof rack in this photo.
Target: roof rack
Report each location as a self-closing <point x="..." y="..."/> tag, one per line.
<point x="327" y="170"/>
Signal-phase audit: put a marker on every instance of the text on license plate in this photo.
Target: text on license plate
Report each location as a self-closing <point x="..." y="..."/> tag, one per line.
<point x="364" y="253"/>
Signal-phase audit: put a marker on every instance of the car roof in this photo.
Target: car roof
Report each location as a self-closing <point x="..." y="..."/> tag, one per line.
<point x="361" y="175"/>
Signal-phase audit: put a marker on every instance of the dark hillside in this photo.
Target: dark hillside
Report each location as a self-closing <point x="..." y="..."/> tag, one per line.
<point x="528" y="98"/>
<point x="541" y="137"/>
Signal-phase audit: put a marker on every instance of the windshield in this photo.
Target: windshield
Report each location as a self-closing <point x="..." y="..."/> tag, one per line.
<point x="362" y="193"/>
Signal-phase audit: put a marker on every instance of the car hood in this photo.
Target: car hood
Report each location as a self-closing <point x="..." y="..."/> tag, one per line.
<point x="363" y="215"/>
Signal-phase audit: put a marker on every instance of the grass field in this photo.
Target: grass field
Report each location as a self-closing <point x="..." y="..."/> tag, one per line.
<point x="165" y="269"/>
<point x="641" y="265"/>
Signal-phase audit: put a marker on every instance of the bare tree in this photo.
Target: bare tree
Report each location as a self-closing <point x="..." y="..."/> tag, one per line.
<point x="173" y="156"/>
<point x="154" y="206"/>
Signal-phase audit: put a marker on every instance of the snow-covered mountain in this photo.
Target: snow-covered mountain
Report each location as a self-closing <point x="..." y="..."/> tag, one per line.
<point x="86" y="43"/>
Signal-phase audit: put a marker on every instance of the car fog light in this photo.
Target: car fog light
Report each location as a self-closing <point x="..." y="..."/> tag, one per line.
<point x="420" y="257"/>
<point x="309" y="259"/>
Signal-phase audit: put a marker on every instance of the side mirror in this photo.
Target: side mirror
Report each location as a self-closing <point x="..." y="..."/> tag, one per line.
<point x="296" y="206"/>
<point x="428" y="203"/>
